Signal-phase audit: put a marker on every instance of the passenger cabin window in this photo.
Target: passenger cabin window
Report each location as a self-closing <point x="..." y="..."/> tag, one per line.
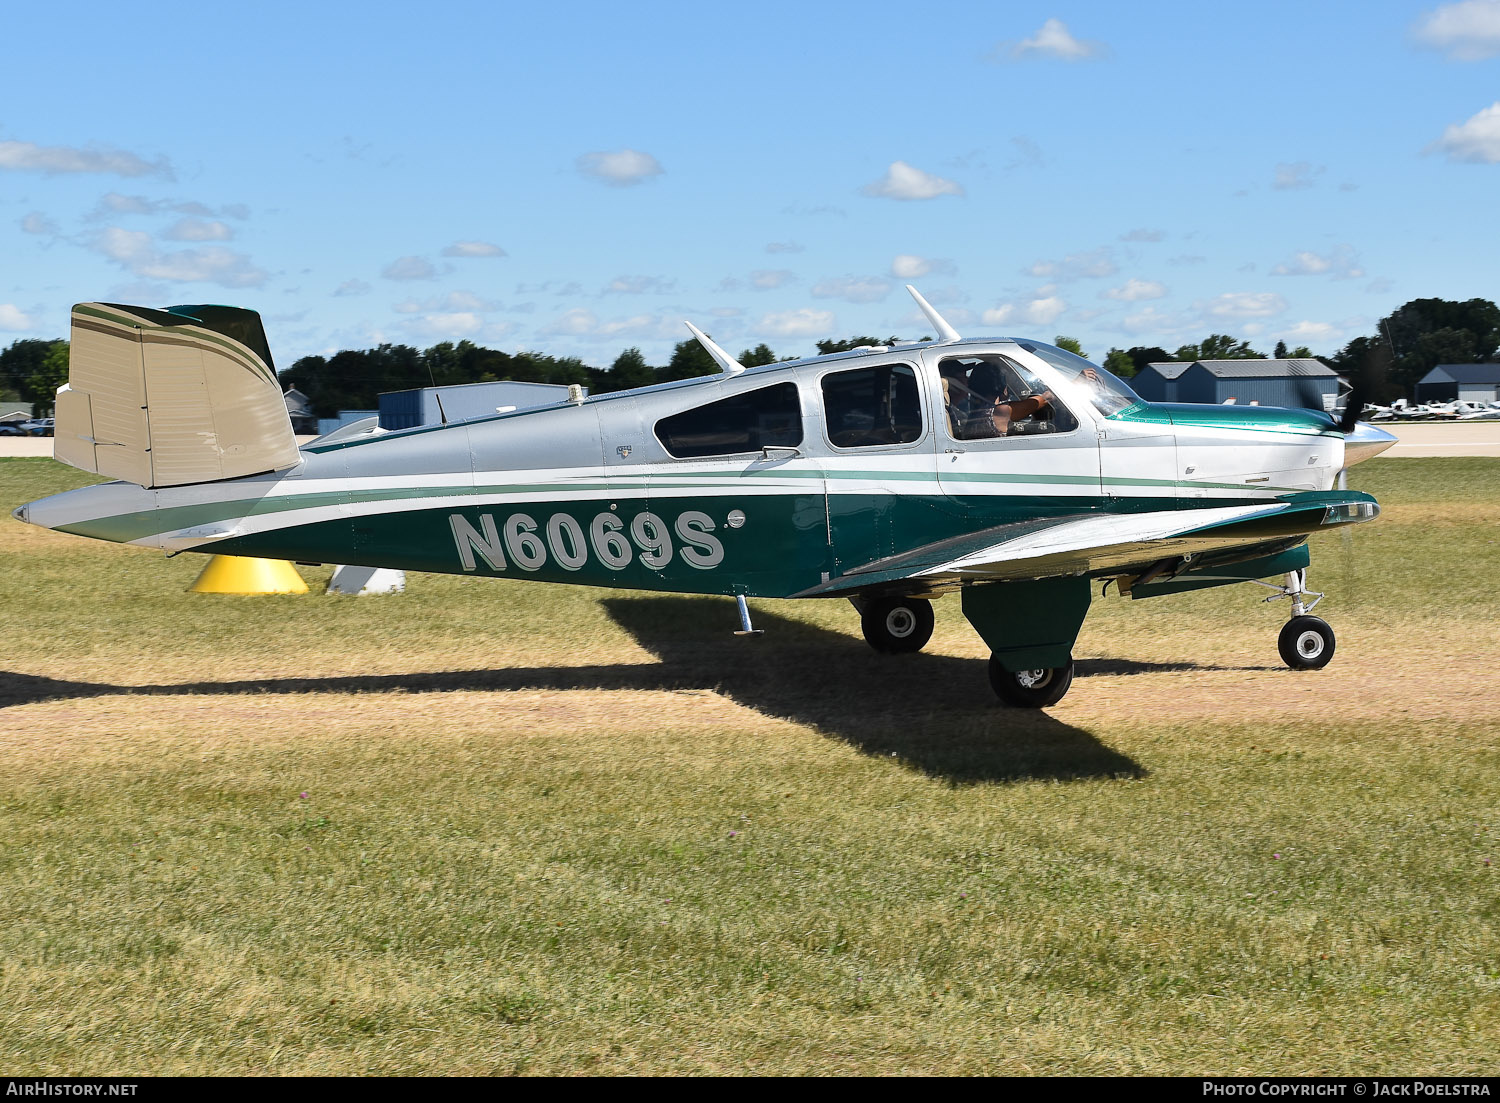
<point x="993" y="396"/>
<point x="770" y="417"/>
<point x="866" y="407"/>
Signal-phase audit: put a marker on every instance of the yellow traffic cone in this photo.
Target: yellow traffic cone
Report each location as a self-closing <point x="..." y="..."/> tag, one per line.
<point x="235" y="574"/>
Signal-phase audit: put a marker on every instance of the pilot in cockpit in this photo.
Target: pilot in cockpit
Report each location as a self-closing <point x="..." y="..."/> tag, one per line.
<point x="980" y="399"/>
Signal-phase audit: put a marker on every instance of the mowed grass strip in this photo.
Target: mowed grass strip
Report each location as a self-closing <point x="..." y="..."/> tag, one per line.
<point x="559" y="830"/>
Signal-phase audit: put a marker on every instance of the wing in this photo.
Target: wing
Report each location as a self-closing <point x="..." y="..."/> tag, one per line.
<point x="1103" y="544"/>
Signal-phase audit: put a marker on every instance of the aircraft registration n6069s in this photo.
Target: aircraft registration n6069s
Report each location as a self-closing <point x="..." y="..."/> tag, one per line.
<point x="1005" y="470"/>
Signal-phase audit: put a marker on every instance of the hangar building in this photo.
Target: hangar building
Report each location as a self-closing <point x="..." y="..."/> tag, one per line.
<point x="1463" y="382"/>
<point x="433" y="405"/>
<point x="1259" y="382"/>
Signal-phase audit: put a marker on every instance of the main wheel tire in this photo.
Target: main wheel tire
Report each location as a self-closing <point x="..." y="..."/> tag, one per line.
<point x="1030" y="689"/>
<point x="897" y="625"/>
<point x="1306" y="643"/>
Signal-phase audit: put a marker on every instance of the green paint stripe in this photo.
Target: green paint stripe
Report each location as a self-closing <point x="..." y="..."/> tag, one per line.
<point x="134" y="526"/>
<point x="199" y="333"/>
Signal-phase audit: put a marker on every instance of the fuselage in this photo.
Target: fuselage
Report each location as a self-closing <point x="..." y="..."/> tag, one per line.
<point x="764" y="482"/>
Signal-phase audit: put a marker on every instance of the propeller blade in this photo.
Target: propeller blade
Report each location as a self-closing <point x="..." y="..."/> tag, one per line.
<point x="1366" y="381"/>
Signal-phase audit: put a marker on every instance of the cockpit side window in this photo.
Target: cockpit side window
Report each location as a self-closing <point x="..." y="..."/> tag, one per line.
<point x="990" y="395"/>
<point x="770" y="417"/>
<point x="1108" y="392"/>
<point x="868" y="407"/>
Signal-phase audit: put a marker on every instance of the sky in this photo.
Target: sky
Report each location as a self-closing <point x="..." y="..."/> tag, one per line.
<point x="579" y="178"/>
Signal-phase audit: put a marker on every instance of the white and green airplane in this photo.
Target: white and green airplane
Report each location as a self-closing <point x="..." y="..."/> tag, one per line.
<point x="1005" y="470"/>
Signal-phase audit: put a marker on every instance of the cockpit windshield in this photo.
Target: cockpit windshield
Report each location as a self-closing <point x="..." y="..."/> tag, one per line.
<point x="1109" y="393"/>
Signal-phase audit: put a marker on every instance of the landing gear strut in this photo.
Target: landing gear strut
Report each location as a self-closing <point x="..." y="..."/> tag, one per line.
<point x="1306" y="642"/>
<point x="897" y="625"/>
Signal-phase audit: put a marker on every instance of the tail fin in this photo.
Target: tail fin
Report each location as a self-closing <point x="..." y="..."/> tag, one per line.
<point x="170" y="397"/>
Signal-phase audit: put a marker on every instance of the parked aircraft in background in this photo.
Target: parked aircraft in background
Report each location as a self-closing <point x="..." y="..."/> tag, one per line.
<point x="1004" y="471"/>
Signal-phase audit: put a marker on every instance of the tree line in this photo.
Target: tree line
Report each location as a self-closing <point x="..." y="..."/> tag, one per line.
<point x="1412" y="339"/>
<point x="32" y="369"/>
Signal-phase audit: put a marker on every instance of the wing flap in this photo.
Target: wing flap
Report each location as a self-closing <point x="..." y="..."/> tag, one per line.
<point x="1101" y="544"/>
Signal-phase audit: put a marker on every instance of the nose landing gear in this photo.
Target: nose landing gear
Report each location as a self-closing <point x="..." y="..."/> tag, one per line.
<point x="1306" y="642"/>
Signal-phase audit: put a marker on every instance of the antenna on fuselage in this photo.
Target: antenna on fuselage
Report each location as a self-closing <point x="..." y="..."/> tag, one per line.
<point x="730" y="365"/>
<point x="945" y="332"/>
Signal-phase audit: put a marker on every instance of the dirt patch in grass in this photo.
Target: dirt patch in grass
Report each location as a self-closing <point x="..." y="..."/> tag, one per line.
<point x="163" y="721"/>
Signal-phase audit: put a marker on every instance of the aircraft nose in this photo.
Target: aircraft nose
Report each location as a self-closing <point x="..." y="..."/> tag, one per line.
<point x="1363" y="441"/>
<point x="20" y="513"/>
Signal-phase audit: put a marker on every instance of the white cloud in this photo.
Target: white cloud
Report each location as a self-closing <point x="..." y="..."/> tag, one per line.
<point x="446" y="326"/>
<point x="1144" y="235"/>
<point x="1053" y="40"/>
<point x="578" y="322"/>
<point x="115" y="203"/>
<point x="1342" y="264"/>
<point x="1290" y="177"/>
<point x="1477" y="140"/>
<point x="467" y="300"/>
<point x="1153" y="321"/>
<point x="198" y="229"/>
<point x="783" y="247"/>
<point x="137" y="291"/>
<point x="903" y="181"/>
<point x="639" y="285"/>
<point x="1093" y="264"/>
<point x="135" y="251"/>
<point x="352" y="287"/>
<point x="1040" y="311"/>
<point x="1134" y="291"/>
<point x="804" y="322"/>
<point x="15" y="320"/>
<point x="620" y="168"/>
<point x="1312" y="333"/>
<point x="853" y="289"/>
<point x="1239" y="305"/>
<point x="909" y="266"/>
<point x="30" y="157"/>
<point x="769" y="279"/>
<point x="409" y="268"/>
<point x="570" y="290"/>
<point x="454" y="302"/>
<point x="38" y="223"/>
<point x="582" y="322"/>
<point x="1466" y="31"/>
<point x="473" y="249"/>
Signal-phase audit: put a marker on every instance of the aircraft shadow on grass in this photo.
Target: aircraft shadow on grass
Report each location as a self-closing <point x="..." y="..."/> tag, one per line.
<point x="934" y="712"/>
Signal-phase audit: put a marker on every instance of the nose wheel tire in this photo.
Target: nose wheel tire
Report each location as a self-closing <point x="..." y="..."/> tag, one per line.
<point x="897" y="625"/>
<point x="1306" y="643"/>
<point x="1030" y="689"/>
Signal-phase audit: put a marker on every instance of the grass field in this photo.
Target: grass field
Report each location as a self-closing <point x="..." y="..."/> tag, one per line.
<point x="497" y="827"/>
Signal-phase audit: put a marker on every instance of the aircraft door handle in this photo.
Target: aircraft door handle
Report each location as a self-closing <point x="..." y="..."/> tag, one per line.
<point x="954" y="451"/>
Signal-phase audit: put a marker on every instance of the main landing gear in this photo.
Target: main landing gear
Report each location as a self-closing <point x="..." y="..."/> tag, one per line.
<point x="1306" y="642"/>
<point x="1030" y="689"/>
<point x="896" y="625"/>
